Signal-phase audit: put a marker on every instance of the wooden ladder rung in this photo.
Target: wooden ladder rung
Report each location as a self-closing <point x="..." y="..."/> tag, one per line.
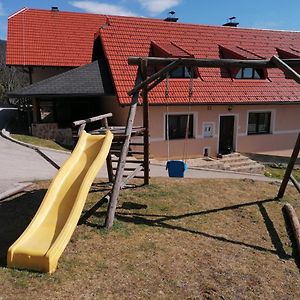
<point x="126" y="169"/>
<point x="131" y="174"/>
<point x="130" y="161"/>
<point x="115" y="151"/>
<point x="136" y="144"/>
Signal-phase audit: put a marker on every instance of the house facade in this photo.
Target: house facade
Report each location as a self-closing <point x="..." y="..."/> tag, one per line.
<point x="250" y="110"/>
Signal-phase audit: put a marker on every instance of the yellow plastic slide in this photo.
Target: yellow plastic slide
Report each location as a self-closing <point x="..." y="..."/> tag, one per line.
<point x="46" y="237"/>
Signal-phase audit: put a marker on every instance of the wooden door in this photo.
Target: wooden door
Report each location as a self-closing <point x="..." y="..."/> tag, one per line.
<point x="226" y="135"/>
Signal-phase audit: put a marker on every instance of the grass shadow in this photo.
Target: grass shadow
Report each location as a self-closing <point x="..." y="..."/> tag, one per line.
<point x="273" y="233"/>
<point x="15" y="215"/>
<point x="160" y="221"/>
<point x="133" y="205"/>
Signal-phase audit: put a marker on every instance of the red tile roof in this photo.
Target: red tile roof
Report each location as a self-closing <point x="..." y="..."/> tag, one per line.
<point x="133" y="36"/>
<point x="51" y="38"/>
<point x="169" y="49"/>
<point x="46" y="38"/>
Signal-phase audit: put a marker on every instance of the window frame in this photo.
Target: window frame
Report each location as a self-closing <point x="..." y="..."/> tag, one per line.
<point x="47" y="111"/>
<point x="178" y="115"/>
<point x="260" y="72"/>
<point x="257" y="122"/>
<point x="185" y="73"/>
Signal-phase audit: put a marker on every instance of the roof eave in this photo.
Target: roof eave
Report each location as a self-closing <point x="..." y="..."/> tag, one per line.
<point x="15" y="95"/>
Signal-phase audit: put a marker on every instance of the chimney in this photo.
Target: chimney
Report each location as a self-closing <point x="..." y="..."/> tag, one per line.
<point x="231" y="22"/>
<point x="171" y="17"/>
<point x="54" y="8"/>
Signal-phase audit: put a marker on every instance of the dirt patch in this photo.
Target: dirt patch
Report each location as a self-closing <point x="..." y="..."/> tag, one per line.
<point x="178" y="239"/>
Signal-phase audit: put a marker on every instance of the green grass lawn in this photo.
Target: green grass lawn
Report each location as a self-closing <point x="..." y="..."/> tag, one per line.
<point x="37" y="141"/>
<point x="174" y="239"/>
<point x="279" y="173"/>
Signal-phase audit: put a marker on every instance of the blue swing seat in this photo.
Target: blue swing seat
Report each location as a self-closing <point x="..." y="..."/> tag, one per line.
<point x="176" y="168"/>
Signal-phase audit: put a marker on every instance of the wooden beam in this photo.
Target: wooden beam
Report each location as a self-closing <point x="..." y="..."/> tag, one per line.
<point x="47" y="158"/>
<point x="289" y="169"/>
<point x="156" y="82"/>
<point x="172" y="65"/>
<point x="14" y="191"/>
<point x="131" y="175"/>
<point x="294" y="222"/>
<point x="94" y="208"/>
<point x="295" y="183"/>
<point x="111" y="211"/>
<point x="212" y="63"/>
<point x="285" y="68"/>
<point x="93" y="119"/>
<point x="145" y="122"/>
<point x="109" y="167"/>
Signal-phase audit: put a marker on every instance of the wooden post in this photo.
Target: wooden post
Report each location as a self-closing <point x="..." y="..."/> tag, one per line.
<point x="108" y="158"/>
<point x="293" y="219"/>
<point x="289" y="168"/>
<point x="111" y="211"/>
<point x="145" y="122"/>
<point x="157" y="75"/>
<point x="295" y="183"/>
<point x="285" y="68"/>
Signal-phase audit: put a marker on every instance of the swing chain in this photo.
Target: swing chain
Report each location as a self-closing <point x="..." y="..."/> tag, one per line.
<point x="191" y="83"/>
<point x="190" y="94"/>
<point x="167" y="85"/>
<point x="167" y="115"/>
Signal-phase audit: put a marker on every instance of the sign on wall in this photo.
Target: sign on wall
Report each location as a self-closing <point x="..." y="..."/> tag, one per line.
<point x="208" y="130"/>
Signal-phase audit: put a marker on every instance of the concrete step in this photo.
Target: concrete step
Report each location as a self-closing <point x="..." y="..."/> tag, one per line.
<point x="230" y="162"/>
<point x="233" y="157"/>
<point x="234" y="154"/>
<point x="240" y="163"/>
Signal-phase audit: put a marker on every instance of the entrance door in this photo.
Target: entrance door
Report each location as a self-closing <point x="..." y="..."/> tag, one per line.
<point x="226" y="133"/>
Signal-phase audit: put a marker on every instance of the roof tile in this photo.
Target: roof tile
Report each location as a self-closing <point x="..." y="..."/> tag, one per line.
<point x="46" y="38"/>
<point x="200" y="41"/>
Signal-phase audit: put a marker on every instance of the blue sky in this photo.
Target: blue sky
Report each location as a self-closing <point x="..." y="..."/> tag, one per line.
<point x="269" y="14"/>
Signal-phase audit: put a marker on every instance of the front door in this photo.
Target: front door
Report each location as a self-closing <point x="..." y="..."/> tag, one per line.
<point x="226" y="134"/>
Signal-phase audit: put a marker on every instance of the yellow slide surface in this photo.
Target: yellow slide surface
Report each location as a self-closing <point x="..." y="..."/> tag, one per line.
<point x="46" y="237"/>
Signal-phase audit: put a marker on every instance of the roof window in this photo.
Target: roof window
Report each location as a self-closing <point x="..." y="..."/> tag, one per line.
<point x="250" y="73"/>
<point x="170" y="49"/>
<point x="238" y="52"/>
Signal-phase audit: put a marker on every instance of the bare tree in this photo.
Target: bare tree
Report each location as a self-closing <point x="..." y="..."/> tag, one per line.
<point x="10" y="77"/>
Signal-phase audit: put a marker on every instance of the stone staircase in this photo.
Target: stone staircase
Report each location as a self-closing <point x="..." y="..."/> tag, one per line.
<point x="231" y="162"/>
<point x="241" y="163"/>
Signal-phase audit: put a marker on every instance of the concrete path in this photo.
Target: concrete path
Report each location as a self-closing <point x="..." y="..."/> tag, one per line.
<point x="20" y="164"/>
<point x="159" y="170"/>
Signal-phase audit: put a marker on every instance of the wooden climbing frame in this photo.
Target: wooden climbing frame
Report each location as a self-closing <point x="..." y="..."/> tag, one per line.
<point x="288" y="173"/>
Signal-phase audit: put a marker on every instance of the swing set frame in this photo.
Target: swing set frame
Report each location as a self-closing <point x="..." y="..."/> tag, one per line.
<point x="144" y="84"/>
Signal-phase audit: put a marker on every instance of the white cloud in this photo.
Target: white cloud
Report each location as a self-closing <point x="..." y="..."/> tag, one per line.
<point x="158" y="6"/>
<point x="102" y="8"/>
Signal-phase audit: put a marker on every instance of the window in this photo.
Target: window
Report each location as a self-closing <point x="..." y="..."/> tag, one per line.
<point x="250" y="73"/>
<point x="46" y="112"/>
<point x="170" y="49"/>
<point x="259" y="123"/>
<point x="181" y="72"/>
<point x="177" y="126"/>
